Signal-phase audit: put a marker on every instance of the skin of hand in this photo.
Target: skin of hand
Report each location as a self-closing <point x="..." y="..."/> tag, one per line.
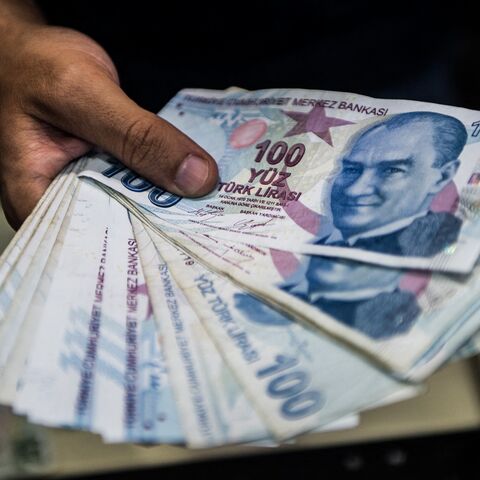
<point x="59" y="96"/>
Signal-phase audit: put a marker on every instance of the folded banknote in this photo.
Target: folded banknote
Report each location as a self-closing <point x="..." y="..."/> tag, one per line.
<point x="97" y="342"/>
<point x="405" y="320"/>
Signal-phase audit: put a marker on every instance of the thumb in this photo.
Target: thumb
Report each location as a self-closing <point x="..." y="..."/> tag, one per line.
<point x="101" y="113"/>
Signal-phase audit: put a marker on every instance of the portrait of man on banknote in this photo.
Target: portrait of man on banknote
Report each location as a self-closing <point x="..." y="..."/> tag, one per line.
<point x="364" y="297"/>
<point x="386" y="180"/>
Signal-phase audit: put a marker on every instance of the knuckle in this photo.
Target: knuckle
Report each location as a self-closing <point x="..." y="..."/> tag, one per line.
<point x="143" y="144"/>
<point x="66" y="79"/>
<point x="57" y="83"/>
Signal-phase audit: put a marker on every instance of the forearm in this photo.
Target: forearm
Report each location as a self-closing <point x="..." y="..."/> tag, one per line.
<point x="18" y="14"/>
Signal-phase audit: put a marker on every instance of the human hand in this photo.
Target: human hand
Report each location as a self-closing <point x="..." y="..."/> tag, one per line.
<point x="59" y="95"/>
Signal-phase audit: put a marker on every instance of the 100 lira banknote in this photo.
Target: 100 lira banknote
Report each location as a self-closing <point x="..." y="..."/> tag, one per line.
<point x="382" y="181"/>
<point x="408" y="320"/>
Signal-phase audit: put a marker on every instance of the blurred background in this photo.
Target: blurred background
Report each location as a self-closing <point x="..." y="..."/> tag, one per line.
<point x="411" y="50"/>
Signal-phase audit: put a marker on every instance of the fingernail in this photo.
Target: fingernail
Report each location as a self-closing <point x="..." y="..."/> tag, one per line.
<point x="192" y="174"/>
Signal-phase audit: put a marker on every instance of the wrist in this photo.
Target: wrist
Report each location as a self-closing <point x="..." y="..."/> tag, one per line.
<point x="16" y="18"/>
<point x="19" y="11"/>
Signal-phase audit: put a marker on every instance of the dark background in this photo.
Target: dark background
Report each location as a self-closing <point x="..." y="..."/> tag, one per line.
<point x="413" y="50"/>
<point x="443" y="457"/>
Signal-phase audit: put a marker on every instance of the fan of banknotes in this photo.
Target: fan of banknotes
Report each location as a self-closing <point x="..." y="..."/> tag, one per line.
<point x="332" y="270"/>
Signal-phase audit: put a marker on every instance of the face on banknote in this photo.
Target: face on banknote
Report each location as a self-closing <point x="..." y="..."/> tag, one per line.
<point x="383" y="181"/>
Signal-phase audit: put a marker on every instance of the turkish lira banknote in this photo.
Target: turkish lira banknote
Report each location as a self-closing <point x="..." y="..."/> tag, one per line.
<point x="382" y="181"/>
<point x="402" y="319"/>
<point x="298" y="377"/>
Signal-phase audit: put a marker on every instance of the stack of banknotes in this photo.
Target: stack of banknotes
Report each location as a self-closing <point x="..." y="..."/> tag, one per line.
<point x="332" y="270"/>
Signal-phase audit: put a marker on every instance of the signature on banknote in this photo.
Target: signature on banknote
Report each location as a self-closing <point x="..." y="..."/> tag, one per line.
<point x="210" y="213"/>
<point x="250" y="224"/>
